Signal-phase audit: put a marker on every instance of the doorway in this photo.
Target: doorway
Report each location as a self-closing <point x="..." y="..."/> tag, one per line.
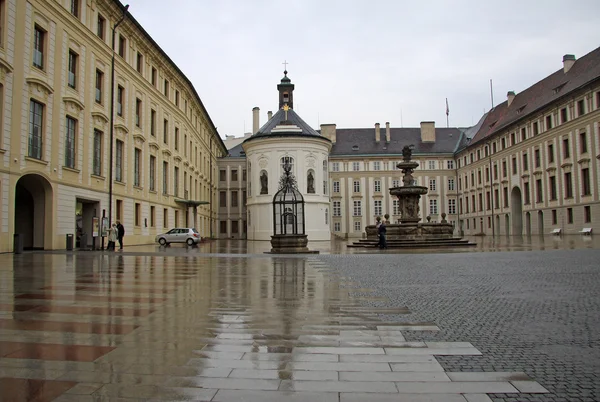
<point x="85" y="211"/>
<point x="516" y="205"/>
<point x="33" y="212"/>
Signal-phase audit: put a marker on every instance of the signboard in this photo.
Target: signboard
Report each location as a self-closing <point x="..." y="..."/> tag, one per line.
<point x="95" y="226"/>
<point x="104" y="226"/>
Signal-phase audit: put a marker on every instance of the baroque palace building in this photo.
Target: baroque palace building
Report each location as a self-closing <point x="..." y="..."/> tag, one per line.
<point x="55" y="144"/>
<point x="531" y="165"/>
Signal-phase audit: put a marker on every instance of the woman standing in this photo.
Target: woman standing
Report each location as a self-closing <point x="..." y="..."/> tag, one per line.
<point x="112" y="237"/>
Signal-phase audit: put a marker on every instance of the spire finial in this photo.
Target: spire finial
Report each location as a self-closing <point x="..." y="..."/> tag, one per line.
<point x="285" y="63"/>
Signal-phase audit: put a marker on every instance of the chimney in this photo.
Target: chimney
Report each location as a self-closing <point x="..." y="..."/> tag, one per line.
<point x="255" y="119"/>
<point x="387" y="131"/>
<point x="377" y="133"/>
<point x="510" y="96"/>
<point x="328" y="131"/>
<point x="428" y="131"/>
<point x="269" y="115"/>
<point x="568" y="61"/>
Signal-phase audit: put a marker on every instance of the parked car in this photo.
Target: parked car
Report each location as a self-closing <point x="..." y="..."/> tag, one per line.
<point x="190" y="236"/>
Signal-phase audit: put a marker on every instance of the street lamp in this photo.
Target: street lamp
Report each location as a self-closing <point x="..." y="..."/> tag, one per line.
<point x="112" y="116"/>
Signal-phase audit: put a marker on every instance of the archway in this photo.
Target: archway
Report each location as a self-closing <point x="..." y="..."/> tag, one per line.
<point x="541" y="222"/>
<point x="516" y="206"/>
<point x="528" y="224"/>
<point x="33" y="211"/>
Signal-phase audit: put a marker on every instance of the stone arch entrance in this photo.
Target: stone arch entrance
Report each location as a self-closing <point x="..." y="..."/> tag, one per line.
<point x="541" y="222"/>
<point x="528" y="224"/>
<point x="516" y="205"/>
<point x="33" y="211"/>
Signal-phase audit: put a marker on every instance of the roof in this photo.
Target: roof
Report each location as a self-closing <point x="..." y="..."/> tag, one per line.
<point x="541" y="95"/>
<point x="301" y="129"/>
<point x="347" y="139"/>
<point x="236" y="152"/>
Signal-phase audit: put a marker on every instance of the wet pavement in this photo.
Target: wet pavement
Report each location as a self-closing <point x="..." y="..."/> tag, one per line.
<point x="223" y="322"/>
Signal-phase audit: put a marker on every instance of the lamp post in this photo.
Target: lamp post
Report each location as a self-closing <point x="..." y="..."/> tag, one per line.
<point x="112" y="116"/>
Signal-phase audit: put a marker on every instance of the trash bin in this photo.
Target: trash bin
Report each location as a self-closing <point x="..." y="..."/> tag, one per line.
<point x="18" y="244"/>
<point x="69" y="241"/>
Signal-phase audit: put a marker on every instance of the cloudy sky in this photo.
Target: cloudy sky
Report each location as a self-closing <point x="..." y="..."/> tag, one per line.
<point x="355" y="63"/>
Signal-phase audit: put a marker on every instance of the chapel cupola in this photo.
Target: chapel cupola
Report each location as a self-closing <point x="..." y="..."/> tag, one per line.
<point x="286" y="92"/>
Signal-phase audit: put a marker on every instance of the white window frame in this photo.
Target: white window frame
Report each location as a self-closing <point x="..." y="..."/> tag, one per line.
<point x="376" y="165"/>
<point x="451" y="184"/>
<point x="337" y="208"/>
<point x="356" y="186"/>
<point x="433" y="207"/>
<point x="357" y="208"/>
<point x="336" y="186"/>
<point x="377" y="186"/>
<point x="451" y="206"/>
<point x="431" y="165"/>
<point x="356" y="166"/>
<point x="378" y="208"/>
<point x="357" y="226"/>
<point x="432" y="185"/>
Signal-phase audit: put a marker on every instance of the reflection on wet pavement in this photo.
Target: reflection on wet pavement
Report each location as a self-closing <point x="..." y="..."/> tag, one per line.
<point x="93" y="327"/>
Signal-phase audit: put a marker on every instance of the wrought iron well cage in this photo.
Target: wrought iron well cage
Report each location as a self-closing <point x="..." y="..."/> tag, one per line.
<point x="288" y="206"/>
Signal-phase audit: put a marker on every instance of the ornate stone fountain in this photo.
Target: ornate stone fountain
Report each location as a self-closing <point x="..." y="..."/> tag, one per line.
<point x="410" y="232"/>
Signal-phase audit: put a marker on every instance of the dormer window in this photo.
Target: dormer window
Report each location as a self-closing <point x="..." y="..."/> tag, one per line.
<point x="355" y="147"/>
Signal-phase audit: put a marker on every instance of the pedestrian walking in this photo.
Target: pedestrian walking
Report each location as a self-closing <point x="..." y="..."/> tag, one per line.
<point x="381" y="231"/>
<point x="120" y="234"/>
<point x="113" y="233"/>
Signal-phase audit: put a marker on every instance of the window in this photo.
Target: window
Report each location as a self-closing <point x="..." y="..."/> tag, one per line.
<point x="496" y="199"/>
<point x="97" y="162"/>
<point x="2" y="21"/>
<point x="75" y="8"/>
<point x="72" y="79"/>
<point x="165" y="182"/>
<point x="536" y="128"/>
<point x="337" y="208"/>
<point x="140" y="63"/>
<point x="166" y="88"/>
<point x="548" y="122"/>
<point x="176" y="218"/>
<point x="119" y="210"/>
<point x="335" y="166"/>
<point x="568" y="185"/>
<point x="395" y="183"/>
<point x="433" y="210"/>
<point x="585" y="181"/>
<point x="503" y="143"/>
<point x="99" y="85"/>
<point x="177" y="138"/>
<point x="152" y="216"/>
<point x="587" y="214"/>
<point x="488" y="200"/>
<point x="153" y="76"/>
<point x="493" y="147"/>
<point x="153" y="122"/>
<point x="583" y="143"/>
<point x="356" y="186"/>
<point x="222" y="175"/>
<point x="152" y="173"/>
<point x="234" y="199"/>
<point x="564" y="115"/>
<point x="450" y="184"/>
<point x="554" y="217"/>
<point x="495" y="171"/>
<point x="244" y="175"/>
<point x="325" y="177"/>
<point x="431" y="164"/>
<point x="357" y="211"/>
<point x="376" y="165"/>
<point x="120" y="95"/>
<point x="138" y="214"/>
<point x="552" y="184"/>
<point x="137" y="160"/>
<point x="357" y="226"/>
<point x="505" y="194"/>
<point x="527" y="193"/>
<point x="176" y="182"/>
<point x="514" y="165"/>
<point x="525" y="162"/>
<point x="337" y="227"/>
<point x="70" y="136"/>
<point x="396" y="207"/>
<point x="166" y="131"/>
<point x="39" y="37"/>
<point x="355" y="166"/>
<point x="538" y="191"/>
<point x="101" y="27"/>
<point x="580" y="107"/>
<point x="513" y="138"/>
<point x="432" y="185"/>
<point x="451" y="206"/>
<point x="480" y="201"/>
<point x="479" y="177"/>
<point x="336" y="186"/>
<point x="176" y="97"/>
<point x="450" y="165"/>
<point x="523" y="133"/>
<point x="566" y="150"/>
<point x="536" y="157"/>
<point x="234" y="175"/>
<point x="473" y="203"/>
<point x="570" y="215"/>
<point x="36" y="114"/>
<point x="377" y="184"/>
<point x="122" y="45"/>
<point x="119" y="161"/>
<point x="504" y="170"/>
<point x="550" y="153"/>
<point x="377" y="207"/>
<point x="138" y="112"/>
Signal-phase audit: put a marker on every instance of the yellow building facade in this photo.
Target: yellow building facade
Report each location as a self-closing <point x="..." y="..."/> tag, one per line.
<point x="55" y="147"/>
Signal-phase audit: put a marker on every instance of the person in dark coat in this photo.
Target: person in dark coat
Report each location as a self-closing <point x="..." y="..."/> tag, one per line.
<point x="381" y="230"/>
<point x="120" y="235"/>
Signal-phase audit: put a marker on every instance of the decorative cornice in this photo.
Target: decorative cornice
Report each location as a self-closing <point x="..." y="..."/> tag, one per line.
<point x="139" y="137"/>
<point x="100" y="118"/>
<point x="40" y="84"/>
<point x="525" y="175"/>
<point x="120" y="127"/>
<point x="74" y="103"/>
<point x="153" y="144"/>
<point x="177" y="158"/>
<point x="566" y="165"/>
<point x="537" y="173"/>
<point x="584" y="161"/>
<point x="551" y="169"/>
<point x="167" y="152"/>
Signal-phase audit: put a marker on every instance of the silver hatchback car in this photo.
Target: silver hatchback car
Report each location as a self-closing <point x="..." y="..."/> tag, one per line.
<point x="190" y="236"/>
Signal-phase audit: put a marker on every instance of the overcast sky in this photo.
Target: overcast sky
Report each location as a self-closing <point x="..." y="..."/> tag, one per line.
<point x="355" y="63"/>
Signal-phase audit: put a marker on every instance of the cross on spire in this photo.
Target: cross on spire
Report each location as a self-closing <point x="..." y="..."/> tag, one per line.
<point x="285" y="63"/>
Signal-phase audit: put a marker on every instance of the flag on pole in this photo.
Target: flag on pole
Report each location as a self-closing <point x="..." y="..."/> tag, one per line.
<point x="447" y="108"/>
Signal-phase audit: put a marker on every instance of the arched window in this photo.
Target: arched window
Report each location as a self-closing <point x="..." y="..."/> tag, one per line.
<point x="310" y="182"/>
<point x="289" y="160"/>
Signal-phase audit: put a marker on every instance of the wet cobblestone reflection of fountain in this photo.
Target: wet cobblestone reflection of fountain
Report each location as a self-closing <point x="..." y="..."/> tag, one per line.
<point x="410" y="232"/>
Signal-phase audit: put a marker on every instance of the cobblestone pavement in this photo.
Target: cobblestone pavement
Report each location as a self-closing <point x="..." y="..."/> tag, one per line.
<point x="537" y="312"/>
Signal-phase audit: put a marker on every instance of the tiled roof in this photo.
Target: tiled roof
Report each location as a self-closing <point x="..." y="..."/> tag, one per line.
<point x="236" y="152"/>
<point x="361" y="141"/>
<point x="540" y="95"/>
<point x="279" y="119"/>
